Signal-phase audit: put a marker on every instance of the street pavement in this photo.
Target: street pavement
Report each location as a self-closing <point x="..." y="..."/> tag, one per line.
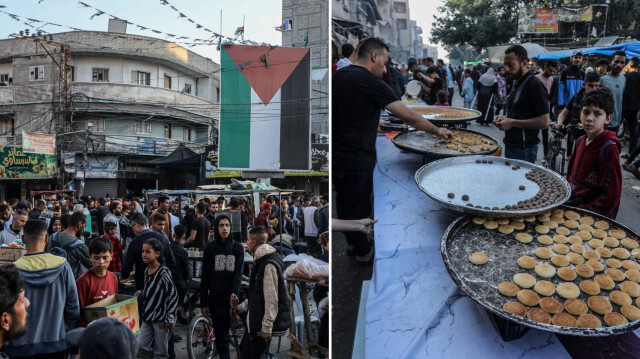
<point x="347" y="276"/>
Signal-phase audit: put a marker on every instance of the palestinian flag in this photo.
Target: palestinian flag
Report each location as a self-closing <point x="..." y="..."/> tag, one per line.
<point x="265" y="108"/>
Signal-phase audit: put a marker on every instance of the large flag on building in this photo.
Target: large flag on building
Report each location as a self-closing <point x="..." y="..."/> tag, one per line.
<point x="265" y="108"/>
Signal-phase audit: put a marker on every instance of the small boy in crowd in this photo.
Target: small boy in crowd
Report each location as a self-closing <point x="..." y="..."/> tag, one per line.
<point x="183" y="274"/>
<point x="117" y="250"/>
<point x="97" y="283"/>
<point x="594" y="171"/>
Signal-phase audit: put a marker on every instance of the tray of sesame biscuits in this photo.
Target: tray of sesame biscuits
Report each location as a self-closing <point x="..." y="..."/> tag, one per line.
<point x="568" y="271"/>
<point x="492" y="186"/>
<point x="462" y="143"/>
<point x="446" y="114"/>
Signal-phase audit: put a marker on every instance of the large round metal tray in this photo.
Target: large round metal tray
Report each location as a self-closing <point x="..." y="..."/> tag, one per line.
<point x="423" y="143"/>
<point x="396" y="127"/>
<point x="443" y="110"/>
<point x="487" y="185"/>
<point x="463" y="238"/>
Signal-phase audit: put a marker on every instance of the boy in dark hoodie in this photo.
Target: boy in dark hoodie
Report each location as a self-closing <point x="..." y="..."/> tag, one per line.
<point x="51" y="288"/>
<point x="222" y="265"/>
<point x="594" y="171"/>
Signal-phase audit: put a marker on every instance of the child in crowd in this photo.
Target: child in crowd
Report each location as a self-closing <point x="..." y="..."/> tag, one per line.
<point x="117" y="249"/>
<point x="97" y="283"/>
<point x="594" y="171"/>
<point x="182" y="274"/>
<point x="159" y="303"/>
<point x="442" y="99"/>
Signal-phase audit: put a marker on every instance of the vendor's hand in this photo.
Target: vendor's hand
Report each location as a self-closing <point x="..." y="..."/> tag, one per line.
<point x="503" y="123"/>
<point x="444" y="133"/>
<point x="234" y="301"/>
<point x="205" y="311"/>
<point x="266" y="336"/>
<point x="137" y="294"/>
<point x="557" y="126"/>
<point x="321" y="282"/>
<point x="366" y="225"/>
<point x="380" y="124"/>
<point x="168" y="327"/>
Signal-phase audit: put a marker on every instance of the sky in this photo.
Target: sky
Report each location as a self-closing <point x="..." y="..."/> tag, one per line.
<point x="422" y="11"/>
<point x="261" y="17"/>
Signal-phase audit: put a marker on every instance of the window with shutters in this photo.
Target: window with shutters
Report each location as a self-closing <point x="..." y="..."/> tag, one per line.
<point x="4" y="77"/>
<point x="167" y="130"/>
<point x="143" y="127"/>
<point x="141" y="78"/>
<point x="100" y="75"/>
<point x="6" y="126"/>
<point x="167" y="82"/>
<point x="186" y="134"/>
<point x="36" y="73"/>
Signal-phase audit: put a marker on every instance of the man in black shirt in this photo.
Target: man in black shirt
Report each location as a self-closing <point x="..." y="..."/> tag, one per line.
<point x="527" y="108"/>
<point x="200" y="228"/>
<point x="436" y="84"/>
<point x="358" y="96"/>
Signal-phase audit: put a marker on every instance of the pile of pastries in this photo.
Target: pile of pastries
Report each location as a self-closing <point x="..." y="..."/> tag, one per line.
<point x="445" y="113"/>
<point x="577" y="271"/>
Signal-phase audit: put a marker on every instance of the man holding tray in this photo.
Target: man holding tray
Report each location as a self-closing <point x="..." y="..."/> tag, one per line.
<point x="358" y="97"/>
<point x="527" y="108"/>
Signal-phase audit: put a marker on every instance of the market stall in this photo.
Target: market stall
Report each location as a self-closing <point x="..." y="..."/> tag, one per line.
<point x="414" y="308"/>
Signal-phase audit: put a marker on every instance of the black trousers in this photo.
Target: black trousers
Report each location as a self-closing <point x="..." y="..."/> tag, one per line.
<point x="632" y="123"/>
<point x="221" y="320"/>
<point x="354" y="190"/>
<point x="252" y="347"/>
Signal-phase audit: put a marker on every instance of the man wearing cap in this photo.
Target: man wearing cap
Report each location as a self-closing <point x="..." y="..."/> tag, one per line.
<point x="571" y="80"/>
<point x="358" y="95"/>
<point x="104" y="338"/>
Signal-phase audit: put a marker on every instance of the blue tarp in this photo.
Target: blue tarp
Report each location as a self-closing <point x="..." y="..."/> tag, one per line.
<point x="632" y="49"/>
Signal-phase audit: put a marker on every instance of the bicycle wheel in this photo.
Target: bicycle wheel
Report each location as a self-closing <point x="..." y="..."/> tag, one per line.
<point x="558" y="164"/>
<point x="200" y="338"/>
<point x="237" y="331"/>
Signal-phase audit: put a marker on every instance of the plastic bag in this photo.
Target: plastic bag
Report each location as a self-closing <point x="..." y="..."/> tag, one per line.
<point x="308" y="269"/>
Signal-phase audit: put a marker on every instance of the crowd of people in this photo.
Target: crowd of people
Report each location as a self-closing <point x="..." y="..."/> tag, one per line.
<point x="521" y="97"/>
<point x="79" y="251"/>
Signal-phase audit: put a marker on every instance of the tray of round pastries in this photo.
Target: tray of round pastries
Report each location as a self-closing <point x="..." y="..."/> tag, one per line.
<point x="492" y="186"/>
<point x="446" y="114"/>
<point x="462" y="143"/>
<point x="567" y="271"/>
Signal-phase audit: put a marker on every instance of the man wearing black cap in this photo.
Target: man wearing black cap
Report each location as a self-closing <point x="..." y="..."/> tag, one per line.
<point x="571" y="80"/>
<point x="358" y="95"/>
<point x="105" y="338"/>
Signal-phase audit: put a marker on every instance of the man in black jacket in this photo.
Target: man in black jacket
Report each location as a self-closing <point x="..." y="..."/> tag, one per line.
<point x="222" y="264"/>
<point x="140" y="227"/>
<point x="100" y="212"/>
<point x="268" y="304"/>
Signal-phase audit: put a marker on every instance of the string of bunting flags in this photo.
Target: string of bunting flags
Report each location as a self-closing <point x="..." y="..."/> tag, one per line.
<point x="215" y="39"/>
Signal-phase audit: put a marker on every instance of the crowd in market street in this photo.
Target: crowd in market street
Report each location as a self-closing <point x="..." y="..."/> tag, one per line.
<point x="82" y="251"/>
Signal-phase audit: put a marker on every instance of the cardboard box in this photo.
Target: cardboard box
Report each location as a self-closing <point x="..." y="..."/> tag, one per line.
<point x="119" y="306"/>
<point x="10" y="254"/>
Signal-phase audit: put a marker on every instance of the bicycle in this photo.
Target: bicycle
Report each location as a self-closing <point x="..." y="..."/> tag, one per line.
<point x="556" y="156"/>
<point x="201" y="338"/>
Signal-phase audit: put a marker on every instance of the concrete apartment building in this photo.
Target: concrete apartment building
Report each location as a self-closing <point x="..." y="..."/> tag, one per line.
<point x="308" y="20"/>
<point x="138" y="97"/>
